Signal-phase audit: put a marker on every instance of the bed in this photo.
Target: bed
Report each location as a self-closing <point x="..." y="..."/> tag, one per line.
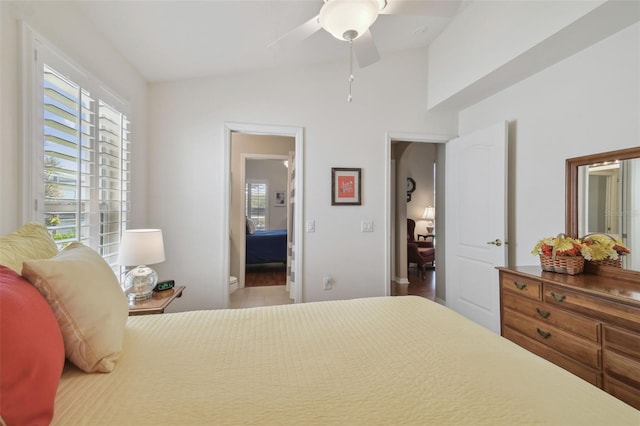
<point x="389" y="360"/>
<point x="371" y="361"/>
<point x="266" y="246"/>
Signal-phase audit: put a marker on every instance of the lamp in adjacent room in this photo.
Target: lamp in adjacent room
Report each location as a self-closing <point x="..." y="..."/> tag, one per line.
<point x="140" y="248"/>
<point x="430" y="216"/>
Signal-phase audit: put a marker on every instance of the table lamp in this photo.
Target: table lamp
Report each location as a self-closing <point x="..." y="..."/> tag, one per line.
<point x="429" y="215"/>
<point x="140" y="247"/>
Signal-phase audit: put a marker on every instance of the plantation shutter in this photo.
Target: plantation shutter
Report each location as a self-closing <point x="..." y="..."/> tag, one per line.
<point x="87" y="166"/>
<point x="256" y="203"/>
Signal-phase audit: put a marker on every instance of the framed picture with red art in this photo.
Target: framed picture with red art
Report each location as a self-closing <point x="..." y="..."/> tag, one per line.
<point x="345" y="187"/>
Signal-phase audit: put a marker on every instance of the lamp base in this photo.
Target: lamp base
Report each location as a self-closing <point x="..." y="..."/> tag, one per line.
<point x="139" y="283"/>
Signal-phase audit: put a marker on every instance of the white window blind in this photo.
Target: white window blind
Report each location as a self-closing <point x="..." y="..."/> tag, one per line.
<point x="256" y="203"/>
<point x="80" y="151"/>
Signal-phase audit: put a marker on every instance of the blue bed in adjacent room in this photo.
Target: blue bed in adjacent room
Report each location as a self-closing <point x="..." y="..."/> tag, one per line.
<point x="267" y="246"/>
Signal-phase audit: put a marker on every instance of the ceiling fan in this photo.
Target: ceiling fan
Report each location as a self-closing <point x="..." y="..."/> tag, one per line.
<point x="350" y="20"/>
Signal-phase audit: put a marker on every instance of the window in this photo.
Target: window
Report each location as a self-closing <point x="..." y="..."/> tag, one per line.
<point x="78" y="139"/>
<point x="256" y="203"/>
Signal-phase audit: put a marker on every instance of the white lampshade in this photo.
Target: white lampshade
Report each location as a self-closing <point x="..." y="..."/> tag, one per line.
<point x="429" y="213"/>
<point x="341" y="17"/>
<point x="140" y="247"/>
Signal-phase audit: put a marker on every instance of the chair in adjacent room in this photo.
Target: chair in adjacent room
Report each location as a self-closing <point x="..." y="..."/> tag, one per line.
<point x="421" y="253"/>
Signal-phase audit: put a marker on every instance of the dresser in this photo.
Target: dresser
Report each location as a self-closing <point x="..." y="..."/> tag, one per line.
<point x="587" y="324"/>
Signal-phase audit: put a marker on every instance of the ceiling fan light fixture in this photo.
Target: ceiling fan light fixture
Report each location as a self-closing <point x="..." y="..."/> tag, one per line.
<point x="349" y="19"/>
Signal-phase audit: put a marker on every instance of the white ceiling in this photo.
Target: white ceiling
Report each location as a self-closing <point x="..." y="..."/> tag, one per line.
<point x="180" y="39"/>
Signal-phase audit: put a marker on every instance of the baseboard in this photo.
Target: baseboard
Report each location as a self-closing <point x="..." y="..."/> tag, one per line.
<point x="399" y="280"/>
<point x="440" y="301"/>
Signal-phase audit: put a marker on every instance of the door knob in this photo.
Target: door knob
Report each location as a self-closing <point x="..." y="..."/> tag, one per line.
<point x="497" y="242"/>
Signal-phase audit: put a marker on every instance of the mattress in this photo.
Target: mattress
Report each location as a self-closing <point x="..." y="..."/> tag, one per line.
<point x="375" y="361"/>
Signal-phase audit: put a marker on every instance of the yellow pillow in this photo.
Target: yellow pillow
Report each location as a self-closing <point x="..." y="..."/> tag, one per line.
<point x="88" y="303"/>
<point x="30" y="241"/>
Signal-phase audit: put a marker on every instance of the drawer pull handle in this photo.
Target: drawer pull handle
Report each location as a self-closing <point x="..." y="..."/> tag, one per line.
<point x="558" y="297"/>
<point x="543" y="334"/>
<point x="519" y="286"/>
<point x="543" y="314"/>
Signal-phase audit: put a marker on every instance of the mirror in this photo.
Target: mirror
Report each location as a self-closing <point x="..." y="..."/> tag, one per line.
<point x="603" y="196"/>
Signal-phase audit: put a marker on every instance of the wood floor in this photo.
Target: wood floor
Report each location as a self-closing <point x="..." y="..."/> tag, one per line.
<point x="417" y="286"/>
<point x="265" y="286"/>
<point x="265" y="274"/>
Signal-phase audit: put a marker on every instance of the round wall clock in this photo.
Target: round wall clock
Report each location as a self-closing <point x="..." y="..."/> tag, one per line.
<point x="411" y="186"/>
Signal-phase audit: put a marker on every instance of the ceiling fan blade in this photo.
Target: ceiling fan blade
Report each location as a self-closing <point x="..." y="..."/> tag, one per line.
<point x="445" y="8"/>
<point x="298" y="34"/>
<point x="366" y="50"/>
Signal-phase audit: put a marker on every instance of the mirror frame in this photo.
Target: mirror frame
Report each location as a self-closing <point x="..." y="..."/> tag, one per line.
<point x="571" y="206"/>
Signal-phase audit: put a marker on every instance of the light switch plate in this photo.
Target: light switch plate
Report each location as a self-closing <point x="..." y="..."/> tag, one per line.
<point x="311" y="226"/>
<point x="366" y="226"/>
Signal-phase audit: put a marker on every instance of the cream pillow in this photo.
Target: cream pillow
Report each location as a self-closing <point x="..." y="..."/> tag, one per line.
<point x="88" y="303"/>
<point x="30" y="241"/>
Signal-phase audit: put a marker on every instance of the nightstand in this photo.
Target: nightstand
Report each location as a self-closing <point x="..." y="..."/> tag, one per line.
<point x="158" y="303"/>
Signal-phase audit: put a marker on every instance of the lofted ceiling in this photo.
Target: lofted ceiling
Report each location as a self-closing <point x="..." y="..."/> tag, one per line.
<point x="181" y="39"/>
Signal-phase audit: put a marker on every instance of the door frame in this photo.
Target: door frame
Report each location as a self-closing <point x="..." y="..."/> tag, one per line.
<point x="263" y="129"/>
<point x="390" y="202"/>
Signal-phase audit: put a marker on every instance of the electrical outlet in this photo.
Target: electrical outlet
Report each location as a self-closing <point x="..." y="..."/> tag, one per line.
<point x="326" y="283"/>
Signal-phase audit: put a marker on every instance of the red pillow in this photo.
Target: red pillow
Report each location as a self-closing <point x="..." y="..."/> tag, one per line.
<point x="31" y="353"/>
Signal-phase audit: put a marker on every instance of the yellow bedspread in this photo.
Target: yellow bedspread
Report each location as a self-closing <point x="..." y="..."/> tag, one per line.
<point x="377" y="361"/>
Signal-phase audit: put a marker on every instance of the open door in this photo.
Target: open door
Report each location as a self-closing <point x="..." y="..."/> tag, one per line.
<point x="476" y="225"/>
<point x="291" y="247"/>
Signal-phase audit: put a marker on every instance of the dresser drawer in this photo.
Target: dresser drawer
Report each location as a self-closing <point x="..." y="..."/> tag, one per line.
<point x="575" y="324"/>
<point x="569" y="344"/>
<point x="622" y="391"/>
<point x="623" y="368"/>
<point x="523" y="286"/>
<point x="595" y="307"/>
<point x="591" y="375"/>
<point x="622" y="341"/>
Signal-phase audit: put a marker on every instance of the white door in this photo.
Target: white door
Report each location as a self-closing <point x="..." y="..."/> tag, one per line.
<point x="291" y="249"/>
<point x="476" y="223"/>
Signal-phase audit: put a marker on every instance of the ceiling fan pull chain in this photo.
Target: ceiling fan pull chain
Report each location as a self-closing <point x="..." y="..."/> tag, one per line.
<point x="350" y="98"/>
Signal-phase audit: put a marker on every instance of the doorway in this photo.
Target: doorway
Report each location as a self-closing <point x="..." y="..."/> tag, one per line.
<point x="399" y="209"/>
<point x="261" y="140"/>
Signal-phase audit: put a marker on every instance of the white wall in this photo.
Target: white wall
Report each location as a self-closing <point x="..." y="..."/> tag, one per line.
<point x="588" y="103"/>
<point x="419" y="160"/>
<point x="186" y="127"/>
<point x="61" y="24"/>
<point x="494" y="44"/>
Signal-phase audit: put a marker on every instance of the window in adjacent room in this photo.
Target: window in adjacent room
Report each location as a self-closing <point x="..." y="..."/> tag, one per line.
<point x="77" y="139"/>
<point x="256" y="203"/>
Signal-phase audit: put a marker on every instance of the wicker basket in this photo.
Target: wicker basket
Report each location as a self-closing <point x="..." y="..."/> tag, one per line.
<point x="615" y="263"/>
<point x="571" y="265"/>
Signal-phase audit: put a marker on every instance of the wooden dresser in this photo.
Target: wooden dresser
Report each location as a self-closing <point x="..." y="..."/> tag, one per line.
<point x="587" y="324"/>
